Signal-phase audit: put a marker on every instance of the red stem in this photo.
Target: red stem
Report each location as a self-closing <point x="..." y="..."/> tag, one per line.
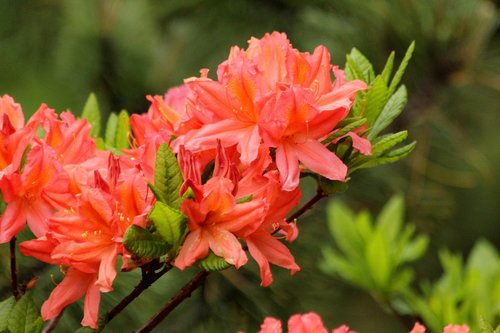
<point x="184" y="293"/>
<point x="13" y="269"/>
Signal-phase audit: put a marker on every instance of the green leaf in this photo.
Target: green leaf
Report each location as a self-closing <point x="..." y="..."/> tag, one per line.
<point x="170" y="223"/>
<point x="36" y="326"/>
<point x="110" y="133"/>
<point x="379" y="260"/>
<point x="23" y="315"/>
<point x="402" y="67"/>
<point x="359" y="66"/>
<point x="167" y="177"/>
<point x="85" y="329"/>
<point x="5" y="309"/>
<point x="391" y="110"/>
<point x="143" y="244"/>
<point x="415" y="249"/>
<point x="244" y="199"/>
<point x="332" y="186"/>
<point x="213" y="263"/>
<point x="387" y="71"/>
<point x="92" y="113"/>
<point x="387" y="141"/>
<point x="122" y="131"/>
<point x="391" y="217"/>
<point x="355" y="123"/>
<point x="24" y="158"/>
<point x="375" y="99"/>
<point x="343" y="229"/>
<point x="117" y="130"/>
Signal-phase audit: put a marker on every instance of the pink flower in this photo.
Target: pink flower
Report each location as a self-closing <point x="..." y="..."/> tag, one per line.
<point x="270" y="325"/>
<point x="31" y="196"/>
<point x="456" y="329"/>
<point x="87" y="236"/>
<point x="273" y="96"/>
<point x="418" y="328"/>
<point x="306" y="323"/>
<point x="214" y="219"/>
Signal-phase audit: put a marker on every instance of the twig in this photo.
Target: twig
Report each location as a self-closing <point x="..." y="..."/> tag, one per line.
<point x="52" y="323"/>
<point x="308" y="205"/>
<point x="149" y="276"/>
<point x="13" y="269"/>
<point x="184" y="293"/>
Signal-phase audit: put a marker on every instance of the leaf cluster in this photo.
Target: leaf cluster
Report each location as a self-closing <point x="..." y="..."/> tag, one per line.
<point x="372" y="254"/>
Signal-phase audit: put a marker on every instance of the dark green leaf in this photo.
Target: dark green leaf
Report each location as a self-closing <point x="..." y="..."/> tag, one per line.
<point x="376" y="96"/>
<point x="170" y="223"/>
<point x="92" y="113"/>
<point x="23" y="315"/>
<point x="5" y="309"/>
<point x="143" y="244"/>
<point x="387" y="141"/>
<point x="168" y="177"/>
<point x="391" y="110"/>
<point x="36" y="326"/>
<point x="213" y="263"/>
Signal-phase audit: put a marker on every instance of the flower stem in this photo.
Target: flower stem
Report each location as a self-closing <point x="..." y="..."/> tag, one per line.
<point x="52" y="323"/>
<point x="308" y="205"/>
<point x="149" y="276"/>
<point x="13" y="269"/>
<point x="184" y="293"/>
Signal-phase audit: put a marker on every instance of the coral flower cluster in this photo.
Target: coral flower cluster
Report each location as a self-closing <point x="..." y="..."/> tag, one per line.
<point x="241" y="140"/>
<point x="312" y="323"/>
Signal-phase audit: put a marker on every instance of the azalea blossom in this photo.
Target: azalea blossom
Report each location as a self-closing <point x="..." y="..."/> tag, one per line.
<point x="300" y="323"/>
<point x="88" y="236"/>
<point x="273" y="96"/>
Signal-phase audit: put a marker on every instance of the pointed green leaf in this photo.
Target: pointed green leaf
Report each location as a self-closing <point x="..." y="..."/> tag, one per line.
<point x="379" y="260"/>
<point x="213" y="263"/>
<point x="391" y="110"/>
<point x="402" y="67"/>
<point x="122" y="130"/>
<point x="168" y="177"/>
<point x="415" y="249"/>
<point x="23" y="315"/>
<point x="92" y="113"/>
<point x="170" y="223"/>
<point x="383" y="143"/>
<point x="387" y="71"/>
<point x="360" y="66"/>
<point x="390" y="157"/>
<point x="390" y="219"/>
<point x="344" y="129"/>
<point x="335" y="264"/>
<point x="110" y="133"/>
<point x="332" y="186"/>
<point x="143" y="244"/>
<point x="343" y="229"/>
<point x="6" y="307"/>
<point x="376" y="96"/>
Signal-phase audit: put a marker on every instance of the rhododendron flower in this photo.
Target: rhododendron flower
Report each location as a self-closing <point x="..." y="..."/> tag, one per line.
<point x="87" y="237"/>
<point x="14" y="137"/>
<point x="300" y="323"/>
<point x="274" y="96"/>
<point x="419" y="328"/>
<point x="32" y="196"/>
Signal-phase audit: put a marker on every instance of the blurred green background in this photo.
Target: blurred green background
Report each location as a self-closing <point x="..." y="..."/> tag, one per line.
<point x="56" y="52"/>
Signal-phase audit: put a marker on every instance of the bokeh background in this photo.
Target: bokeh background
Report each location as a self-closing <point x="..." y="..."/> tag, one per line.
<point x="58" y="51"/>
